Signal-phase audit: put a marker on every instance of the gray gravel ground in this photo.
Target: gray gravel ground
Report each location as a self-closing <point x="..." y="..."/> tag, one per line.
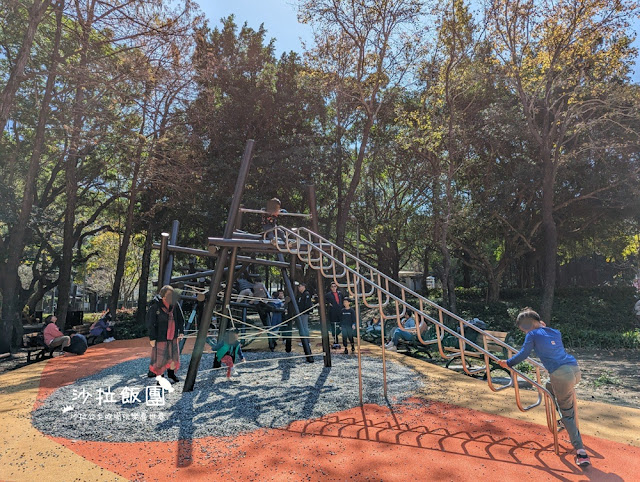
<point x="263" y="395"/>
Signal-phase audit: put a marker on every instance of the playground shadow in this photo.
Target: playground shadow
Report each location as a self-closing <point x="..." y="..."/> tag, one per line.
<point x="387" y="425"/>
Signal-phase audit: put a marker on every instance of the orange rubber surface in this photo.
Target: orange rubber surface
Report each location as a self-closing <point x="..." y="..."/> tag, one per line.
<point x="420" y="440"/>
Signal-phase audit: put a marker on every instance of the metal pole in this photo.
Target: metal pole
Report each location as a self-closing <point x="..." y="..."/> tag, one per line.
<point x="357" y="282"/>
<point x="205" y="322"/>
<point x="164" y="242"/>
<point x="305" y="341"/>
<point x="326" y="347"/>
<point x="227" y="295"/>
<point x="173" y="239"/>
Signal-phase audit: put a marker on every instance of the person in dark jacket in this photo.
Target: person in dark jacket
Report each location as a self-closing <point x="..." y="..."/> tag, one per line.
<point x="348" y="322"/>
<point x="304" y="305"/>
<point x="102" y="329"/>
<point x="333" y="300"/>
<point x="78" y="344"/>
<point x="165" y="324"/>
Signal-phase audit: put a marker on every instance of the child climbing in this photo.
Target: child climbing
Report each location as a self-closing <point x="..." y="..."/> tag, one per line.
<point x="227" y="352"/>
<point x="563" y="370"/>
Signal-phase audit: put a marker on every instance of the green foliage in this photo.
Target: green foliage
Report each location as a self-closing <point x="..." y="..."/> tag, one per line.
<point x="595" y="317"/>
<point x="606" y="378"/>
<point x="127" y="325"/>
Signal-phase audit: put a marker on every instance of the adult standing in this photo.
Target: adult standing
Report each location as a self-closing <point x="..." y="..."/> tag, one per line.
<point x="165" y="324"/>
<point x="334" y="300"/>
<point x="304" y="305"/>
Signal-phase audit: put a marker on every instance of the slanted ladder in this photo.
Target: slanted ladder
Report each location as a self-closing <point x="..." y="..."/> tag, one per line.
<point x="375" y="290"/>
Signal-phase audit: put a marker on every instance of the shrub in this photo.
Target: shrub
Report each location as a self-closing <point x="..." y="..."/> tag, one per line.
<point x="128" y="326"/>
<point x="587" y="317"/>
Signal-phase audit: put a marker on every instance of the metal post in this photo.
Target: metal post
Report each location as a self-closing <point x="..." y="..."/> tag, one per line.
<point x="203" y="329"/>
<point x="290" y="285"/>
<point x="164" y="242"/>
<point x="357" y="282"/>
<point x="173" y="239"/>
<point x="326" y="347"/>
<point x="222" y="326"/>
<point x="293" y="304"/>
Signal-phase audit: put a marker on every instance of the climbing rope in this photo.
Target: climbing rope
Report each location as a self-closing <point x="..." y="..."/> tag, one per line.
<point x="265" y="360"/>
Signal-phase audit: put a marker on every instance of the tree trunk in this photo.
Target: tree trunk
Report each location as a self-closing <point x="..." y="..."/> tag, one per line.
<point x="10" y="308"/>
<point x="36" y="13"/>
<point x="126" y="237"/>
<point x="345" y="206"/>
<point x="144" y="274"/>
<point x="71" y="182"/>
<point x="425" y="267"/>
<point x="550" y="242"/>
<point x="493" y="290"/>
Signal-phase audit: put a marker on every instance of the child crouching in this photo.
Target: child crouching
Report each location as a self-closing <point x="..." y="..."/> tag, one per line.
<point x="227" y="352"/>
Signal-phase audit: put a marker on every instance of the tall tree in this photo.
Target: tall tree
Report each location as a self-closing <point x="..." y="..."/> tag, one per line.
<point x="363" y="51"/>
<point x="559" y="57"/>
<point x="35" y="14"/>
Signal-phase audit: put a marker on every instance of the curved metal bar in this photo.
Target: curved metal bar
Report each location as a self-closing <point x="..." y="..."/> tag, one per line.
<point x="405" y="305"/>
<point x="416" y="295"/>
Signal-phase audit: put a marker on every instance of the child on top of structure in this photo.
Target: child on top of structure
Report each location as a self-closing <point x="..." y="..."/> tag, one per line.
<point x="348" y="322"/>
<point x="227" y="352"/>
<point x="272" y="211"/>
<point x="563" y="370"/>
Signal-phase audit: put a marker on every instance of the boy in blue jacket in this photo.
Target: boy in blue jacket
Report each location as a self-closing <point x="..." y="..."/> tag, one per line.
<point x="563" y="370"/>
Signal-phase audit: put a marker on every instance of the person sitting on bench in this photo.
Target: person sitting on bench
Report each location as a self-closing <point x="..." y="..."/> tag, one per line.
<point x="102" y="329"/>
<point x="374" y="325"/>
<point x="408" y="334"/>
<point x="53" y="337"/>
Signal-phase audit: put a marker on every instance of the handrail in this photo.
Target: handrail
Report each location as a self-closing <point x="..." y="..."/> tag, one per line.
<point x="296" y="244"/>
<point x="402" y="288"/>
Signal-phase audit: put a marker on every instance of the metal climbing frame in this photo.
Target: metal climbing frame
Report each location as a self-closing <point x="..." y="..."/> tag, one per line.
<point x="376" y="290"/>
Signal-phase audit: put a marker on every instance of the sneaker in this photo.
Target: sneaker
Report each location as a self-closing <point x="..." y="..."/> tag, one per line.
<point x="392" y="348"/>
<point x="346" y="352"/>
<point x="234" y="372"/>
<point x="110" y="339"/>
<point x="582" y="459"/>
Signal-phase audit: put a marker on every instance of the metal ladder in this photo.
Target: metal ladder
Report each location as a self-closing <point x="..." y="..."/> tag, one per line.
<point x="375" y="290"/>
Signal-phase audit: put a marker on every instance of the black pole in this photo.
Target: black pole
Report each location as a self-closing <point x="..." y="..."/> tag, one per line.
<point x="164" y="242"/>
<point x="173" y="239"/>
<point x="326" y="347"/>
<point x="216" y="278"/>
<point x="222" y="326"/>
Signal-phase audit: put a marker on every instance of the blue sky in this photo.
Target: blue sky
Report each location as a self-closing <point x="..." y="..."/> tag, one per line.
<point x="280" y="20"/>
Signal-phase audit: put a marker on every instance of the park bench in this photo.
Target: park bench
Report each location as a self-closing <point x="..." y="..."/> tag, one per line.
<point x="33" y="344"/>
<point x="470" y="352"/>
<point x="84" y="330"/>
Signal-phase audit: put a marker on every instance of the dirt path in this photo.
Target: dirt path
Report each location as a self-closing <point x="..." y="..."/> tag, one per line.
<point x="609" y="376"/>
